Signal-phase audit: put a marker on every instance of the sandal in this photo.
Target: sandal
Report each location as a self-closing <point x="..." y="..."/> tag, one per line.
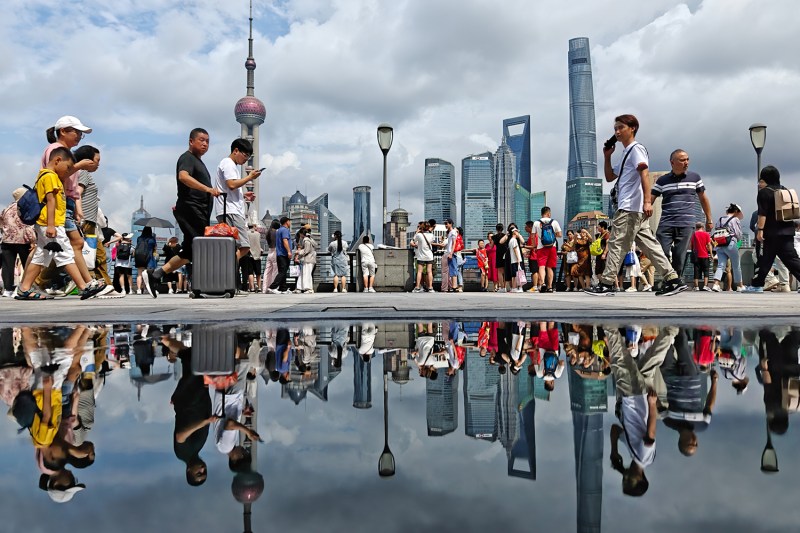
<point x="30" y="294"/>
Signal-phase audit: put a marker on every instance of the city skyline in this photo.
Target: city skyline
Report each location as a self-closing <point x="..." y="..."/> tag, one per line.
<point x="321" y="136"/>
<point x="439" y="190"/>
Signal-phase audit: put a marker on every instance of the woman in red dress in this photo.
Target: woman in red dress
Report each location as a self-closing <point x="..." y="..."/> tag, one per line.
<point x="492" y="254"/>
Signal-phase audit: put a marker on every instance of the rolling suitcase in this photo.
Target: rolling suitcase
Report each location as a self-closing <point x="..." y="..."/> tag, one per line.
<point x="214" y="265"/>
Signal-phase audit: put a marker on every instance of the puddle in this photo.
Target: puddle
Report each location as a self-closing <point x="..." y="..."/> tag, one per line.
<point x="442" y="426"/>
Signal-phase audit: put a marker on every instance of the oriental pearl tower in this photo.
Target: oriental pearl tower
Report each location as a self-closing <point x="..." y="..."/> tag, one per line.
<point x="250" y="113"/>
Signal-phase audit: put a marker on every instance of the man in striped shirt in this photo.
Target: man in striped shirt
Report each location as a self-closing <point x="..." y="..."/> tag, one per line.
<point x="680" y="190"/>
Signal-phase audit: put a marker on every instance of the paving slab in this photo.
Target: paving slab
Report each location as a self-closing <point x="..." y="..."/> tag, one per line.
<point x="687" y="308"/>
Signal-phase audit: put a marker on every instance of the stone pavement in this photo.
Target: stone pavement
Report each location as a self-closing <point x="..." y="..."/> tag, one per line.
<point x="688" y="308"/>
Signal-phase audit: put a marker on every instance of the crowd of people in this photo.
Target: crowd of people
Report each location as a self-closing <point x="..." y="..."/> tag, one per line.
<point x="62" y="213"/>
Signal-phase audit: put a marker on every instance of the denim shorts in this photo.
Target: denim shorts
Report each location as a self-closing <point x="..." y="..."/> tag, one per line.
<point x="69" y="224"/>
<point x="452" y="264"/>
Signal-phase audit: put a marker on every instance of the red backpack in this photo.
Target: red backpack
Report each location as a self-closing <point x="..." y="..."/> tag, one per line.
<point x="459" y="244"/>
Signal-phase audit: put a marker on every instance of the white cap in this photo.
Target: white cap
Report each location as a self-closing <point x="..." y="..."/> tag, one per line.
<point x="65" y="495"/>
<point x="68" y="121"/>
<point x="127" y="235"/>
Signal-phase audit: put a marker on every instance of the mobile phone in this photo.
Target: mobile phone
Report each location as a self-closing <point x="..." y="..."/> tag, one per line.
<point x="262" y="169"/>
<point x="609" y="144"/>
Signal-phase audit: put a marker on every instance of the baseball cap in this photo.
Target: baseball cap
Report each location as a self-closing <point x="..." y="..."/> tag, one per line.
<point x="68" y="121"/>
<point x="127" y="235"/>
<point x="64" y="495"/>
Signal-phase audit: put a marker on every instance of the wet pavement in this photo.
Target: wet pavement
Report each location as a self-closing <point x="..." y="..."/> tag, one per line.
<point x="454" y="425"/>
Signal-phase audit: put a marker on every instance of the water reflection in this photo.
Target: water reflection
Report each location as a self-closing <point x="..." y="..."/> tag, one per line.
<point x="662" y="382"/>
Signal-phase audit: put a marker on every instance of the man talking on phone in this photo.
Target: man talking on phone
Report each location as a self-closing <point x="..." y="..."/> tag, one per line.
<point x="633" y="209"/>
<point x="229" y="181"/>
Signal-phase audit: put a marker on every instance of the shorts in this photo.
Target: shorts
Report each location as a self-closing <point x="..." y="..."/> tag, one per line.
<point x="533" y="265"/>
<point x="256" y="266"/>
<point x="701" y="265"/>
<point x="423" y="263"/>
<point x="547" y="256"/>
<point x="452" y="265"/>
<point x="69" y="222"/>
<point x="238" y="222"/>
<point x="44" y="257"/>
<point x="368" y="269"/>
<point x="515" y="268"/>
<point x="193" y="224"/>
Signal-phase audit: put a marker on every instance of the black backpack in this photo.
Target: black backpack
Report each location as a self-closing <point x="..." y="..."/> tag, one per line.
<point x="24" y="409"/>
<point x="142" y="250"/>
<point x="124" y="251"/>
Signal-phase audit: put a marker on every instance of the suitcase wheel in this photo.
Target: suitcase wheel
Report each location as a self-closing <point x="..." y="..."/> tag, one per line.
<point x="228" y="294"/>
<point x="194" y="294"/>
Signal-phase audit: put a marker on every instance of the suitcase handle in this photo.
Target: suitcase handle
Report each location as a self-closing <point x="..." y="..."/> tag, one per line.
<point x="224" y="205"/>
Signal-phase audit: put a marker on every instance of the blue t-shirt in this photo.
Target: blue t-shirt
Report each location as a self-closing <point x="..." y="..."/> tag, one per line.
<point x="283" y="233"/>
<point x="680" y="198"/>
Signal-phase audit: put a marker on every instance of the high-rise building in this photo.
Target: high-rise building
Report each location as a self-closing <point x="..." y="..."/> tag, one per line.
<point x="588" y="220"/>
<point x="441" y="405"/>
<point x="251" y="113"/>
<point x="439" y="190"/>
<point x="478" y="213"/>
<point x="515" y="421"/>
<point x="504" y="174"/>
<point x="607" y="205"/>
<point x="480" y="397"/>
<point x="517" y="132"/>
<point x="397" y="228"/>
<point x="522" y="205"/>
<point x="328" y="222"/>
<point x="362" y="380"/>
<point x="584" y="189"/>
<point x="301" y="213"/>
<point x="362" y="212"/>
<point x="538" y="201"/>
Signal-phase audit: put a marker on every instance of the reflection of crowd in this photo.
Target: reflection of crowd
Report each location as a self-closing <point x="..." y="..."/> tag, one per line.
<point x="51" y="378"/>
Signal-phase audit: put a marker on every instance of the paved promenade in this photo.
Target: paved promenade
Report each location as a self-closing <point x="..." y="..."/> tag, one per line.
<point x="688" y="308"/>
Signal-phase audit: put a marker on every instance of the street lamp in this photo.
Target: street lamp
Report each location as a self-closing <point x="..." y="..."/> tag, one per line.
<point x="385" y="135"/>
<point x="758" y="136"/>
<point x="386" y="465"/>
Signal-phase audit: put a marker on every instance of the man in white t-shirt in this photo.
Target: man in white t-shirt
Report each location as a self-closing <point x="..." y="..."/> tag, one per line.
<point x="547" y="232"/>
<point x="634" y="208"/>
<point x="450" y="253"/>
<point x="230" y="182"/>
<point x="423" y="245"/>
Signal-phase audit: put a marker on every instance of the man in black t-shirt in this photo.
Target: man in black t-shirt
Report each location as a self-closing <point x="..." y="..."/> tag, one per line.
<point x="501" y="245"/>
<point x="776" y="237"/>
<point x="193" y="208"/>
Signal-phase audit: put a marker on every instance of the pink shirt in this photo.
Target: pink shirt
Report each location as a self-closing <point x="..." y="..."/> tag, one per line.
<point x="71" y="183"/>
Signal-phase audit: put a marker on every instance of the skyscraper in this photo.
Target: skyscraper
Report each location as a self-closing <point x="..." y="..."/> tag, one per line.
<point x="480" y="397"/>
<point x="441" y="405"/>
<point x="584" y="188"/>
<point x="362" y="212"/>
<point x="251" y="113"/>
<point x="538" y="201"/>
<point x="517" y="133"/>
<point x="439" y="190"/>
<point x="478" y="213"/>
<point x="328" y="222"/>
<point x="522" y="205"/>
<point x="504" y="173"/>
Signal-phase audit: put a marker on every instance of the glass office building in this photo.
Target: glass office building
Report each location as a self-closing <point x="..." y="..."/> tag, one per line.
<point x="440" y="190"/>
<point x="478" y="214"/>
<point x="582" y="167"/>
<point x="538" y="201"/>
<point x="362" y="212"/>
<point x="504" y="165"/>
<point x="517" y="133"/>
<point x="522" y="206"/>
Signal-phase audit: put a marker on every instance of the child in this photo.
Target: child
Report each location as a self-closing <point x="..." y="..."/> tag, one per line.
<point x="483" y="264"/>
<point x="51" y="237"/>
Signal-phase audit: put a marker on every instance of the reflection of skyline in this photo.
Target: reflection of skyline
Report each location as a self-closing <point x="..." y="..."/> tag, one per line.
<point x="516" y="427"/>
<point x="441" y="404"/>
<point x="480" y="396"/>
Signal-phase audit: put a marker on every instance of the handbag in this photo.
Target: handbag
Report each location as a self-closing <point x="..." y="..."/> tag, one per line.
<point x="596" y="248"/>
<point x="630" y="259"/>
<point x="90" y="251"/>
<point x="294" y="271"/>
<point x="521" y="278"/>
<point x="722" y="235"/>
<point x="572" y="257"/>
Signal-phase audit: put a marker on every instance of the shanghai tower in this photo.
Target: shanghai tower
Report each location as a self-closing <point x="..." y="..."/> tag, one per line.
<point x="584" y="189"/>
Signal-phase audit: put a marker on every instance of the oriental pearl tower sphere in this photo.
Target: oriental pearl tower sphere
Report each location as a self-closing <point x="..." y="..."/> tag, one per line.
<point x="250" y="113"/>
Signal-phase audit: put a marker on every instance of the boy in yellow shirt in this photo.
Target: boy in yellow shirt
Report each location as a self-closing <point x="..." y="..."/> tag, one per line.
<point x="52" y="242"/>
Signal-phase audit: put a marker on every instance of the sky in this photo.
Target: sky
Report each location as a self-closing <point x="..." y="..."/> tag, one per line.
<point x="443" y="73"/>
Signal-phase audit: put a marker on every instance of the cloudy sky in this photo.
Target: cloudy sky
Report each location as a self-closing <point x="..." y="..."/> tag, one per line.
<point x="444" y="73"/>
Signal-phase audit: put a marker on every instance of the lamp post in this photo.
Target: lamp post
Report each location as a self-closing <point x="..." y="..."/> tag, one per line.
<point x="385" y="136"/>
<point x="758" y="136"/>
<point x="386" y="466"/>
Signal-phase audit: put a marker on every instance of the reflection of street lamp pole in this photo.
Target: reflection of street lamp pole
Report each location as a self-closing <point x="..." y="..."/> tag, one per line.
<point x="758" y="136"/>
<point x="769" y="459"/>
<point x="386" y="462"/>
<point x="385" y="136"/>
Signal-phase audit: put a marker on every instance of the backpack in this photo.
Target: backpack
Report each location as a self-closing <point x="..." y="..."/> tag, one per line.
<point x="787" y="206"/>
<point x="142" y="253"/>
<point x="722" y="235"/>
<point x="24" y="409"/>
<point x="29" y="206"/>
<point x="596" y="248"/>
<point x="124" y="251"/>
<point x="548" y="234"/>
<point x="459" y="244"/>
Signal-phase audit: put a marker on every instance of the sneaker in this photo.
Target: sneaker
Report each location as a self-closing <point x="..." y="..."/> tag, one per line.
<point x="287" y="291"/>
<point x="501" y="290"/>
<point x="601" y="289"/>
<point x="297" y="291"/>
<point x="518" y="289"/>
<point x="739" y="289"/>
<point x="696" y="289"/>
<point x="111" y="295"/>
<point x="273" y="291"/>
<point x="371" y="290"/>
<point x="715" y="288"/>
<point x="365" y="290"/>
<point x="8" y="294"/>
<point x="417" y="289"/>
<point x="673" y="286"/>
<point x="308" y="291"/>
<point x="431" y="290"/>
<point x="55" y="292"/>
<point x="149" y="283"/>
<point x="751" y="289"/>
<point x="707" y="288"/>
<point x="72" y="286"/>
<point x="344" y="290"/>
<point x="648" y="288"/>
<point x="633" y="289"/>
<point x="533" y="289"/>
<point x="106" y="289"/>
<point x="91" y="292"/>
